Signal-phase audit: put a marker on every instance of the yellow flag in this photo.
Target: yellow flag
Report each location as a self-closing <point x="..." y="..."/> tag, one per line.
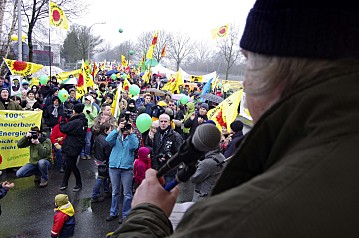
<point x="114" y="106"/>
<point x="21" y="67"/>
<point x="58" y="17"/>
<point x="149" y="54"/>
<point x="174" y="82"/>
<point x="146" y="76"/>
<point x="227" y="111"/>
<point x="81" y="88"/>
<point x="124" y="61"/>
<point x="126" y="85"/>
<point x="220" y="32"/>
<point x="86" y="70"/>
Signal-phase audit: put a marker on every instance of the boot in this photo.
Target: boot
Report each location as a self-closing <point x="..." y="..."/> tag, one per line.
<point x="43" y="183"/>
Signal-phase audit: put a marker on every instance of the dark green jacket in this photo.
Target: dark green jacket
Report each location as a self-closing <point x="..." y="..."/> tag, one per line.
<point x="11" y="105"/>
<point x="294" y="175"/>
<point x="42" y="150"/>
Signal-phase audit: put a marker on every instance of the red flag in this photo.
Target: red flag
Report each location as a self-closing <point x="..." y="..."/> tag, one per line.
<point x="163" y="53"/>
<point x="154" y="40"/>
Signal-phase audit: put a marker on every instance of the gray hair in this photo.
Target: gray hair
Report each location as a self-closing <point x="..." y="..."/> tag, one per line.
<point x="265" y="73"/>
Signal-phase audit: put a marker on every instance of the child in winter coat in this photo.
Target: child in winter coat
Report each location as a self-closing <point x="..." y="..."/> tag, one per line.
<point x="141" y="165"/>
<point x="64" y="219"/>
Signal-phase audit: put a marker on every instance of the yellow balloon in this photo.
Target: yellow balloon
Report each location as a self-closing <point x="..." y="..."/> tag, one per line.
<point x="15" y="37"/>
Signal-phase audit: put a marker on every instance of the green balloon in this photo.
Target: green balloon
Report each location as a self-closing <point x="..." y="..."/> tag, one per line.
<point x="124" y="76"/>
<point x="63" y="95"/>
<point x="134" y="89"/>
<point x="143" y="122"/>
<point x="219" y="85"/>
<point x="131" y="52"/>
<point x="43" y="79"/>
<point x="113" y="76"/>
<point x="120" y="30"/>
<point x="184" y="100"/>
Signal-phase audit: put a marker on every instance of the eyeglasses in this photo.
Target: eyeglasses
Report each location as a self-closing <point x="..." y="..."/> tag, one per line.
<point x="163" y="121"/>
<point x="170" y="105"/>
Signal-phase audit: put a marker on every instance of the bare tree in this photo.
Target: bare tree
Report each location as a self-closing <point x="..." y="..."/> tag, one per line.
<point x="201" y="55"/>
<point x="2" y="13"/>
<point x="229" y="48"/>
<point x="145" y="39"/>
<point x="180" y="48"/>
<point x="36" y="10"/>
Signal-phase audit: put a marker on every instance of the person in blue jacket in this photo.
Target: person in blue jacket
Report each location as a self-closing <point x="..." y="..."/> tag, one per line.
<point x="123" y="142"/>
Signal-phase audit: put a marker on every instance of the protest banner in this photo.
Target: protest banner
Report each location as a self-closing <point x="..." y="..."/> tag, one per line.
<point x="13" y="126"/>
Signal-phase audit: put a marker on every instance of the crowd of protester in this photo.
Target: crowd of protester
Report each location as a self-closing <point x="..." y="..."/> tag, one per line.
<point x="86" y="128"/>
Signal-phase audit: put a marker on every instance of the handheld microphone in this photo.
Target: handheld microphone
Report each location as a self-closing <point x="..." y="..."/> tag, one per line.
<point x="205" y="138"/>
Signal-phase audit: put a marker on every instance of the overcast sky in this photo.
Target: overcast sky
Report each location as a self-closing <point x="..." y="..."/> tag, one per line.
<point x="196" y="18"/>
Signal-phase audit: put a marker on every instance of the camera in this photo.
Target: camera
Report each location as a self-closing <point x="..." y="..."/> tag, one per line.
<point x="127" y="115"/>
<point x="127" y="127"/>
<point x="68" y="112"/>
<point x="34" y="135"/>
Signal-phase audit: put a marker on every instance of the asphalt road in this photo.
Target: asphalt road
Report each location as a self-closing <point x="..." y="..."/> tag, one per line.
<point x="27" y="210"/>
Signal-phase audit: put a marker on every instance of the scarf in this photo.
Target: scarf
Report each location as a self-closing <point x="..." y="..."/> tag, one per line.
<point x="30" y="103"/>
<point x="55" y="112"/>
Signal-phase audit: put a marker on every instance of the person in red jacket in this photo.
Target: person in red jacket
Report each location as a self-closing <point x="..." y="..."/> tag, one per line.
<point x="141" y="165"/>
<point x="64" y="218"/>
<point x="57" y="138"/>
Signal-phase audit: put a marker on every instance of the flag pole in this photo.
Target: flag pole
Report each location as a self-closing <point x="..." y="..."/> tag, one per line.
<point x="50" y="37"/>
<point x="50" y="49"/>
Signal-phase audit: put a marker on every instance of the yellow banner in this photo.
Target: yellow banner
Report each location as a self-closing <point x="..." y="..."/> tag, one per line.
<point x="13" y="126"/>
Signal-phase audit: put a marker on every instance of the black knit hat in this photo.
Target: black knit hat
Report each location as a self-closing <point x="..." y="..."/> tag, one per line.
<point x="236" y="126"/>
<point x="79" y="107"/>
<point x="303" y="28"/>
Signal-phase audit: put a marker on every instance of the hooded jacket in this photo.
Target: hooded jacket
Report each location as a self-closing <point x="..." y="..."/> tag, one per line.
<point x="141" y="165"/>
<point x="75" y="131"/>
<point x="64" y="220"/>
<point x="207" y="172"/>
<point x="297" y="165"/>
<point x="42" y="150"/>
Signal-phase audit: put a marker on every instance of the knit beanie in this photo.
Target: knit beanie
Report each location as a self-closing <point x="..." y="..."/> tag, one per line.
<point x="79" y="107"/>
<point x="303" y="28"/>
<point x="236" y="126"/>
<point x="204" y="105"/>
<point x="61" y="199"/>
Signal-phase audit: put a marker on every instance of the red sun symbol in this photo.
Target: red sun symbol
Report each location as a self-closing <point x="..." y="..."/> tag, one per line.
<point x="222" y="31"/>
<point x="20" y="65"/>
<point x="56" y="15"/>
<point x="126" y="88"/>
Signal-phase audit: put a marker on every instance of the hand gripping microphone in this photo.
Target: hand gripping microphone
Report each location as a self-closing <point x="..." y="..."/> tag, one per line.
<point x="205" y="138"/>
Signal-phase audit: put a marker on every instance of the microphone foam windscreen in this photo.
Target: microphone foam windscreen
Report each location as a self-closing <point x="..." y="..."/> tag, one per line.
<point x="206" y="137"/>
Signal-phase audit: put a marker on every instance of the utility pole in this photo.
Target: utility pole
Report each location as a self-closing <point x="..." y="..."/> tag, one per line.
<point x="19" y="30"/>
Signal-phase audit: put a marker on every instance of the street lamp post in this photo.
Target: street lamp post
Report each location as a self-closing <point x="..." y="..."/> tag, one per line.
<point x="89" y="49"/>
<point x="19" y="31"/>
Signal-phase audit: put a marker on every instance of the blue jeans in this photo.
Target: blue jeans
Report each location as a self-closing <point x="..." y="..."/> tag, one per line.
<point x="117" y="177"/>
<point x="58" y="155"/>
<point x="87" y="149"/>
<point x="41" y="168"/>
<point x="98" y="185"/>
